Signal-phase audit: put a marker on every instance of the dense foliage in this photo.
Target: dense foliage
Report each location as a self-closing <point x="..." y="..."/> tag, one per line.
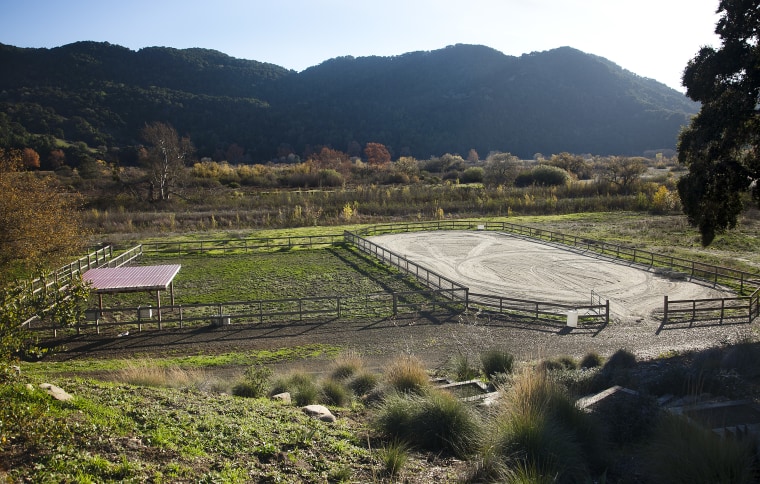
<point x="100" y="96"/>
<point x="721" y="147"/>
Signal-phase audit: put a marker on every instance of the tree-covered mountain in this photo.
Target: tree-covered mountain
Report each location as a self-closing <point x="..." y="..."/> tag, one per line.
<point x="420" y="103"/>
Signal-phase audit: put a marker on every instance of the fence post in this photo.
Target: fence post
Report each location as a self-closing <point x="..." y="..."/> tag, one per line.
<point x="395" y="304"/>
<point x="665" y="311"/>
<point x="607" y="312"/>
<point x="180" y="316"/>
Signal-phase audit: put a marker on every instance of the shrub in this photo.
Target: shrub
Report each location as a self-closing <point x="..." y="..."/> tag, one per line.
<point x="621" y="359"/>
<point x="496" y="361"/>
<point x="473" y="174"/>
<point x="435" y="421"/>
<point x="334" y="393"/>
<point x="616" y="371"/>
<point x="346" y="365"/>
<point x="591" y="360"/>
<point x="405" y="374"/>
<point x="363" y="382"/>
<point x="538" y="431"/>
<point x="254" y="383"/>
<point x="301" y="386"/>
<point x="682" y="452"/>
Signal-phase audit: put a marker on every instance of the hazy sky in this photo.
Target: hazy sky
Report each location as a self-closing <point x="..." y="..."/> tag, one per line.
<point x="652" y="38"/>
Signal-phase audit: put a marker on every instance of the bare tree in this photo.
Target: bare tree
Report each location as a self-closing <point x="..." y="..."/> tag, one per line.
<point x="501" y="169"/>
<point x="164" y="159"/>
<point x="622" y="171"/>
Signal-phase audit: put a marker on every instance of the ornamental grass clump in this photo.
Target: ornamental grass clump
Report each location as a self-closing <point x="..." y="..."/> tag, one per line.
<point x="496" y="361"/>
<point x="435" y="421"/>
<point x="537" y="431"/>
<point x="406" y="374"/>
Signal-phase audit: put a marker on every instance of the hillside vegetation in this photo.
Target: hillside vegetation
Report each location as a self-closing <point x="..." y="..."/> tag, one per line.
<point x="420" y="104"/>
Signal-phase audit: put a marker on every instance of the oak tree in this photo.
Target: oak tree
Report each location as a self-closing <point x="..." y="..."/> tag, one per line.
<point x="38" y="220"/>
<point x="721" y="146"/>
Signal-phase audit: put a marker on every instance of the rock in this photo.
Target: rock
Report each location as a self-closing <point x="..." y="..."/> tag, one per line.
<point x="319" y="411"/>
<point x="283" y="397"/>
<point x="56" y="392"/>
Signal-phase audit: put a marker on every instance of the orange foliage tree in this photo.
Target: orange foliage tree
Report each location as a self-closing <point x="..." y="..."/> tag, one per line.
<point x="330" y="158"/>
<point x="38" y="221"/>
<point x="30" y="158"/>
<point x="377" y="154"/>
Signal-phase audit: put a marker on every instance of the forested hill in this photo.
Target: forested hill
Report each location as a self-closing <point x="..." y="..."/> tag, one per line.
<point x="420" y="103"/>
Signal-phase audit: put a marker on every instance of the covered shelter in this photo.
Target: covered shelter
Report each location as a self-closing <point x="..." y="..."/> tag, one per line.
<point x="113" y="280"/>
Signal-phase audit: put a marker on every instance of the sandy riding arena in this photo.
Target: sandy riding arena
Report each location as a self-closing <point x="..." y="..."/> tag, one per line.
<point x="505" y="265"/>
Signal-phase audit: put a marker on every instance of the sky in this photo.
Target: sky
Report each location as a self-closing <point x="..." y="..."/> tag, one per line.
<point x="651" y="38"/>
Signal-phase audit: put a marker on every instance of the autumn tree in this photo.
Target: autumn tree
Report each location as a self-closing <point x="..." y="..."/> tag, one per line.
<point x="38" y="221"/>
<point x="30" y="159"/>
<point x="164" y="158"/>
<point x="328" y="158"/>
<point x="376" y="154"/>
<point x="721" y="146"/>
<point x="56" y="159"/>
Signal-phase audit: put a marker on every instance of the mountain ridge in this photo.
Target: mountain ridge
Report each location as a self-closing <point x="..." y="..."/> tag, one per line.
<point x="420" y="103"/>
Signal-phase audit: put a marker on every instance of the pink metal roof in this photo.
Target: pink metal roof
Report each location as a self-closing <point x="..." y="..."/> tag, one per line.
<point x="131" y="279"/>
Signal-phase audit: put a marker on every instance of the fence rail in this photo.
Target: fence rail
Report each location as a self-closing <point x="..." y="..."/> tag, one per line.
<point x="593" y="313"/>
<point x="677" y="267"/>
<point x="245" y="245"/>
<point x="95" y="259"/>
<point x="422" y="274"/>
<point x="738" y="309"/>
<point x="269" y="310"/>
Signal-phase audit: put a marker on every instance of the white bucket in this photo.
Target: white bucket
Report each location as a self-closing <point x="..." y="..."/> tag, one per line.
<point x="572" y="318"/>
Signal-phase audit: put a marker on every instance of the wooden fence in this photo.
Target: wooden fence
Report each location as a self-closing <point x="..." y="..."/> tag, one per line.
<point x="424" y="275"/>
<point x="269" y="310"/>
<point x="443" y="292"/>
<point x="718" y="310"/>
<point x="244" y="245"/>
<point x="542" y="310"/>
<point x="668" y="265"/>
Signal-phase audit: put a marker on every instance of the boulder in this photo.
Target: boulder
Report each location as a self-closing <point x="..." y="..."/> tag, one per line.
<point x="319" y="411"/>
<point x="56" y="392"/>
<point x="283" y="397"/>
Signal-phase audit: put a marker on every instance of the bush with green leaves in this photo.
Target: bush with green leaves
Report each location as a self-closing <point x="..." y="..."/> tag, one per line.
<point x="394" y="456"/>
<point x="254" y="383"/>
<point x="364" y="382"/>
<point x="302" y="387"/>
